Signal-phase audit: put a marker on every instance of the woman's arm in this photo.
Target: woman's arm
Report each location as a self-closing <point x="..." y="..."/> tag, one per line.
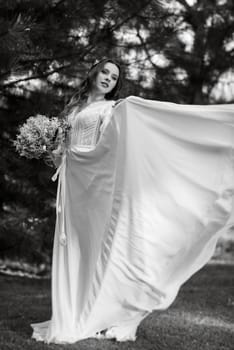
<point x="106" y="117"/>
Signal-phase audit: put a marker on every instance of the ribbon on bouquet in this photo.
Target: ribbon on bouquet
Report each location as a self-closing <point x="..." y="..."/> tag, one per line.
<point x="60" y="199"/>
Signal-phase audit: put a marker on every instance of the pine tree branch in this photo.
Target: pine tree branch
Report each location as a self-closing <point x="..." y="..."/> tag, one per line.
<point x="185" y="4"/>
<point x="38" y="76"/>
<point x="146" y="49"/>
<point x="53" y="58"/>
<point x="45" y="75"/>
<point x="127" y="19"/>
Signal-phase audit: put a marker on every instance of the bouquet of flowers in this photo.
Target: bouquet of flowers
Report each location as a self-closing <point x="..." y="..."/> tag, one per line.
<point x="38" y="136"/>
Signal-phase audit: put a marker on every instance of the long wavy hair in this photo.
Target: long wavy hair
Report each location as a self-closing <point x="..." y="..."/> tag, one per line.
<point x="80" y="97"/>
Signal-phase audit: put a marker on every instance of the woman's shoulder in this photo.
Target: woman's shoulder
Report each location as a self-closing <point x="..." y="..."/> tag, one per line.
<point x="130" y="98"/>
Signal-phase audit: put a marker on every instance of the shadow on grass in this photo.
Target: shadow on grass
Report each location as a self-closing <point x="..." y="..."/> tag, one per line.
<point x="202" y="317"/>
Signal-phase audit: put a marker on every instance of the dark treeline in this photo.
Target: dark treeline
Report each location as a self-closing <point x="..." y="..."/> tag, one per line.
<point x="169" y="50"/>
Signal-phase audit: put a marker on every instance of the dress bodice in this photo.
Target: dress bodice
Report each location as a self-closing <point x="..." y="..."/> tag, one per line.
<point x="85" y="131"/>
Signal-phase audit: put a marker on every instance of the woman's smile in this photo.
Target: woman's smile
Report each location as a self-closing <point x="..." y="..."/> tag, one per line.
<point x="104" y="84"/>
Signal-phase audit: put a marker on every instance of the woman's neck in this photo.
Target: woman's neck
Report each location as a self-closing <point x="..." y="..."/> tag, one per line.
<point x="94" y="97"/>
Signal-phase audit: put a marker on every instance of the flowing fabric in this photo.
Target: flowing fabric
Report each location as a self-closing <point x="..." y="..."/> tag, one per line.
<point x="142" y="212"/>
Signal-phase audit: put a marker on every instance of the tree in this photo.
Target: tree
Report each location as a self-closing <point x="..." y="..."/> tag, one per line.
<point x="46" y="48"/>
<point x="195" y="65"/>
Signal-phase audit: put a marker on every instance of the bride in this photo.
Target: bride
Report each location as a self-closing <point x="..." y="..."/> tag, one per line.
<point x="145" y="189"/>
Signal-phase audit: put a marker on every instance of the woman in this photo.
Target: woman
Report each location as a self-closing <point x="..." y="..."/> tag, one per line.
<point x="145" y="190"/>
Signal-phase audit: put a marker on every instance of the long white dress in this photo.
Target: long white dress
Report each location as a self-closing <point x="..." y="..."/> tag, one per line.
<point x="141" y="207"/>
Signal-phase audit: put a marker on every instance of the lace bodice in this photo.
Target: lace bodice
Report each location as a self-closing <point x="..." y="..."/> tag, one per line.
<point x="86" y="124"/>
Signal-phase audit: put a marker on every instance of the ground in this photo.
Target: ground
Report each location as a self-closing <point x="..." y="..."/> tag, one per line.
<point x="201" y="318"/>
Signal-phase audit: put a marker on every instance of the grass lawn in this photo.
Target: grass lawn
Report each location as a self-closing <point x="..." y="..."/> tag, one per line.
<point x="201" y="318"/>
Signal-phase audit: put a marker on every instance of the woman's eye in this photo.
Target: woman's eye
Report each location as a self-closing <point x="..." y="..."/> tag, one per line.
<point x="104" y="71"/>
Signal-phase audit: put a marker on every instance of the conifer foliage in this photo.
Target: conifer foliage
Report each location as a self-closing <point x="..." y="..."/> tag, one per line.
<point x="168" y="50"/>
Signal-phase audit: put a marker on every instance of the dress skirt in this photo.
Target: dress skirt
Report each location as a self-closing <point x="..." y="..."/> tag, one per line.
<point x="142" y="212"/>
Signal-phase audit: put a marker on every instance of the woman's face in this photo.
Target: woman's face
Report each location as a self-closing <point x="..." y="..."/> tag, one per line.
<point x="107" y="78"/>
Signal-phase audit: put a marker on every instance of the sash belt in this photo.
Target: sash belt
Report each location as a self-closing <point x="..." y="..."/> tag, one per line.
<point x="60" y="199"/>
